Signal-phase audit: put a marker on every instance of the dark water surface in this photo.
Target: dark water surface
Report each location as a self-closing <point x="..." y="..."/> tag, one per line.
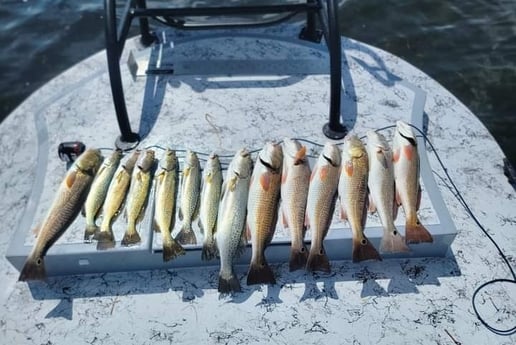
<point x="469" y="46"/>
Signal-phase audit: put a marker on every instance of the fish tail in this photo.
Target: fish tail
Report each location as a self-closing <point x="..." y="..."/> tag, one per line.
<point x="172" y="249"/>
<point x="260" y="273"/>
<point x="415" y="232"/>
<point x="229" y="285"/>
<point x="90" y="231"/>
<point x="364" y="250"/>
<point x="209" y="251"/>
<point x="131" y="236"/>
<point x="34" y="269"/>
<point x="186" y="235"/>
<point x="318" y="261"/>
<point x="298" y="258"/>
<point x="106" y="240"/>
<point x="393" y="242"/>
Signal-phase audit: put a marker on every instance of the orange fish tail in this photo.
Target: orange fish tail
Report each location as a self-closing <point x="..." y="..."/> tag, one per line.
<point x="298" y="258"/>
<point x="260" y="273"/>
<point x="106" y="240"/>
<point x="34" y="269"/>
<point x="393" y="242"/>
<point x="318" y="261"/>
<point x="415" y="232"/>
<point x="364" y="250"/>
<point x="229" y="285"/>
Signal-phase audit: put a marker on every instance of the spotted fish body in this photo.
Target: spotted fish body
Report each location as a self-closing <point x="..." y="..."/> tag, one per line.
<point x="322" y="194"/>
<point x="210" y="199"/>
<point x="353" y="196"/>
<point x="382" y="190"/>
<point x="98" y="192"/>
<point x="262" y="210"/>
<point x="231" y="219"/>
<point x="190" y="192"/>
<point x="115" y="197"/>
<point x="406" y="176"/>
<point x="165" y="204"/>
<point x="137" y="197"/>
<point x="66" y="206"/>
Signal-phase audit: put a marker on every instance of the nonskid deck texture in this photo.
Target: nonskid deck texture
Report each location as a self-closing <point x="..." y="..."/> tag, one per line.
<point x="423" y="300"/>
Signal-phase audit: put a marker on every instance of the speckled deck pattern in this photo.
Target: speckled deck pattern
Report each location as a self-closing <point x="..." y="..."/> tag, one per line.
<point x="426" y="301"/>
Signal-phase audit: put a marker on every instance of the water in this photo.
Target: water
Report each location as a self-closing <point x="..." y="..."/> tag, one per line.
<point x="469" y="46"/>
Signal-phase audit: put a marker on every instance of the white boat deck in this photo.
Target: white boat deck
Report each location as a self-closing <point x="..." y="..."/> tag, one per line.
<point x="271" y="90"/>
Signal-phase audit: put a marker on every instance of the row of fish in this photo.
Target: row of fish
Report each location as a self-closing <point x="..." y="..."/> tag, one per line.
<point x="247" y="196"/>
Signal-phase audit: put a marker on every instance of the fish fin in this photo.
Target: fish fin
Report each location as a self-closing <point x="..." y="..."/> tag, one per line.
<point x="34" y="269"/>
<point x="284" y="218"/>
<point x="139" y="176"/>
<point x="155" y="226"/>
<point x="242" y="244"/>
<point x="70" y="178"/>
<point x="318" y="261"/>
<point x="186" y="235"/>
<point x="397" y="197"/>
<point x="343" y="214"/>
<point x="300" y="156"/>
<point x="232" y="184"/>
<point x="186" y="171"/>
<point x="209" y="177"/>
<point x="201" y="227"/>
<point x="364" y="250"/>
<point x="372" y="206"/>
<point x="417" y="233"/>
<point x="141" y="215"/>
<point x="119" y="176"/>
<point x="396" y="156"/>
<point x="323" y="173"/>
<point x="106" y="240"/>
<point x="247" y="236"/>
<point x="36" y="230"/>
<point x="383" y="159"/>
<point x="394" y="210"/>
<point x="209" y="251"/>
<point x="131" y="238"/>
<point x="90" y="232"/>
<point x="229" y="285"/>
<point x="298" y="258"/>
<point x="195" y="213"/>
<point x="172" y="249"/>
<point x="265" y="181"/>
<point x="408" y="151"/>
<point x="418" y="202"/>
<point x="307" y="221"/>
<point x="83" y="210"/>
<point x="348" y="168"/>
<point x="393" y="242"/>
<point x="180" y="214"/>
<point x="284" y="176"/>
<point x="260" y="273"/>
<point x="314" y="173"/>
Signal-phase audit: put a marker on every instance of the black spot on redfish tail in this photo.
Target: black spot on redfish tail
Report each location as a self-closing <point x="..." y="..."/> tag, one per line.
<point x="106" y="240"/>
<point x="364" y="250"/>
<point x="417" y="233"/>
<point x="186" y="236"/>
<point x="172" y="250"/>
<point x="298" y="258"/>
<point x="318" y="261"/>
<point x="260" y="273"/>
<point x="227" y="286"/>
<point x="34" y="269"/>
<point x="393" y="242"/>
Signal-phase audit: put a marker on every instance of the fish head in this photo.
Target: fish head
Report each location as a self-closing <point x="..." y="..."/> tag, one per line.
<point x="213" y="163"/>
<point x="353" y="147"/>
<point x="330" y="155"/>
<point x="379" y="148"/>
<point x="169" y="160"/>
<point x="191" y="159"/>
<point x="404" y="134"/>
<point x="146" y="161"/>
<point x="242" y="164"/>
<point x="115" y="158"/>
<point x="131" y="161"/>
<point x="294" y="151"/>
<point x="271" y="156"/>
<point x="89" y="161"/>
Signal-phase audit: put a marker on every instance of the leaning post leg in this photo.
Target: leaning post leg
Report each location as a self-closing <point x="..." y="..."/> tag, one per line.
<point x="147" y="38"/>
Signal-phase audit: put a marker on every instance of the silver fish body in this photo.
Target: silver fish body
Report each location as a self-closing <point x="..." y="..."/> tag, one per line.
<point x="231" y="219"/>
<point x="190" y="195"/>
<point x="66" y="206"/>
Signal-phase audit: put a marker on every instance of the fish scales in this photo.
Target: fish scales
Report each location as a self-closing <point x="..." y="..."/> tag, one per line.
<point x="190" y="195"/>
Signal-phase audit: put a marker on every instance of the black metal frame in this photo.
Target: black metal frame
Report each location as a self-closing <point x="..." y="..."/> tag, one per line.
<point x="116" y="35"/>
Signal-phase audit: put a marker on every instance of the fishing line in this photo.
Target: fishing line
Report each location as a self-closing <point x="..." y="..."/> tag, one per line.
<point x="459" y="196"/>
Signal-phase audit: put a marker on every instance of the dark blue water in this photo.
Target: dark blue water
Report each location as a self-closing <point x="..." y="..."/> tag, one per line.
<point x="469" y="46"/>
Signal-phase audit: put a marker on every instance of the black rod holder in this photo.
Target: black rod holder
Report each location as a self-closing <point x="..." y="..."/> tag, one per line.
<point x="334" y="129"/>
<point x="146" y="38"/>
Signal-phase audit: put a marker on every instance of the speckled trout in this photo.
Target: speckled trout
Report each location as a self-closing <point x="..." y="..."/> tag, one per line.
<point x="98" y="192"/>
<point x="322" y="194"/>
<point x="114" y="199"/>
<point x="66" y="206"/>
<point x="353" y="196"/>
<point x="190" y="192"/>
<point x="137" y="197"/>
<point x="406" y="176"/>
<point x="231" y="220"/>
<point x="295" y="180"/>
<point x="262" y="210"/>
<point x="382" y="190"/>
<point x="165" y="204"/>
<point x="210" y="200"/>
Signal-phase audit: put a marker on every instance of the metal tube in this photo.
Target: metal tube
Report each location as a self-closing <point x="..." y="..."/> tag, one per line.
<point x="147" y="38"/>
